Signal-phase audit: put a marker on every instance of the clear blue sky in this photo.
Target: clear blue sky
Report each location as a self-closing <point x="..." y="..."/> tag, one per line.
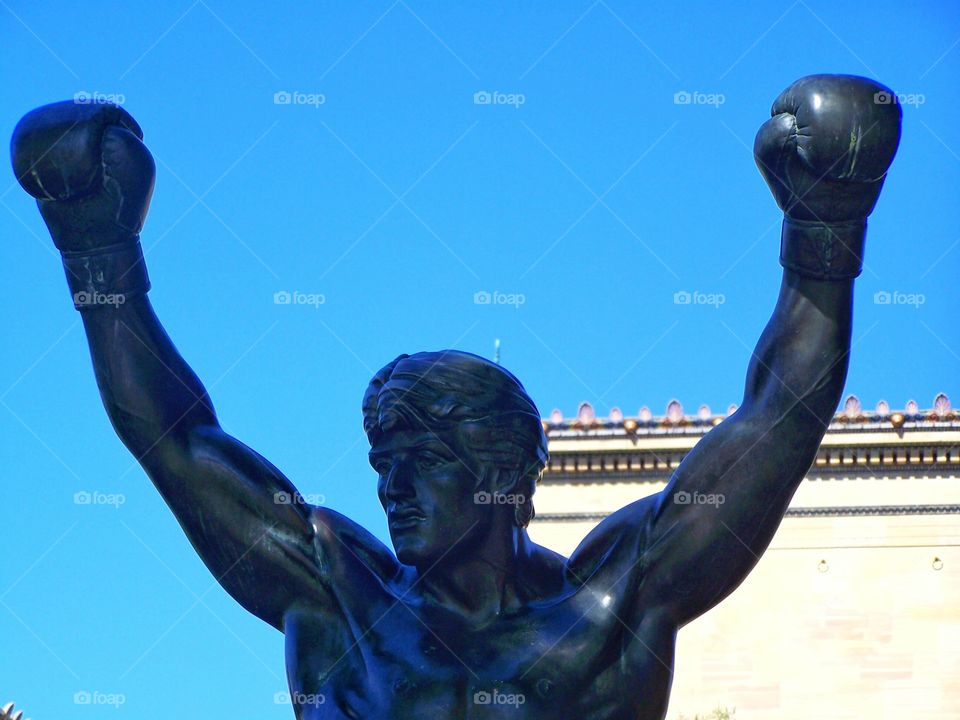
<point x="398" y="198"/>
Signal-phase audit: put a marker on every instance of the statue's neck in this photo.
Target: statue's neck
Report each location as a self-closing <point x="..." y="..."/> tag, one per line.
<point x="485" y="584"/>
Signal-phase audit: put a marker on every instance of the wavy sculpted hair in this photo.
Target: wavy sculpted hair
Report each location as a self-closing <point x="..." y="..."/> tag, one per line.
<point x="485" y="404"/>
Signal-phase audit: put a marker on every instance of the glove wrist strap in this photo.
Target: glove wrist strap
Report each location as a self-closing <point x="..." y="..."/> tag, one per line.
<point x="106" y="276"/>
<point x="823" y="251"/>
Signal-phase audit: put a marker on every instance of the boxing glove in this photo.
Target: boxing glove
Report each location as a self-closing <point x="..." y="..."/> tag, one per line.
<point x="93" y="179"/>
<point x="825" y="153"/>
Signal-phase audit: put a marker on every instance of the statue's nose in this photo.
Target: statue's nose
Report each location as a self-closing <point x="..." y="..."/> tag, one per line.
<point x="399" y="481"/>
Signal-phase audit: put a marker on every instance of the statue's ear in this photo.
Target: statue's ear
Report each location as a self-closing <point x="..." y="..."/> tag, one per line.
<point x="506" y="480"/>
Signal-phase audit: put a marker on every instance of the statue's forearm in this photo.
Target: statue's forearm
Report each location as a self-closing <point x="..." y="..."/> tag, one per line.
<point x="797" y="372"/>
<point x="148" y="390"/>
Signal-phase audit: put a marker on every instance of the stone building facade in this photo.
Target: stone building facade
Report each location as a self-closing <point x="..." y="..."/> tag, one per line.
<point x="853" y="613"/>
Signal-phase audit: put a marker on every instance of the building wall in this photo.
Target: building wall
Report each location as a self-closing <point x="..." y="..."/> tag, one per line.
<point x="844" y="617"/>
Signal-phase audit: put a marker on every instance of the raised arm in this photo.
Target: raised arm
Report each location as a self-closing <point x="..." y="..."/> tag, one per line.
<point x="93" y="179"/>
<point x="824" y="154"/>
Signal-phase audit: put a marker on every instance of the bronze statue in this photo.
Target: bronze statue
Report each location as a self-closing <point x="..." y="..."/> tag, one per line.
<point x="470" y="618"/>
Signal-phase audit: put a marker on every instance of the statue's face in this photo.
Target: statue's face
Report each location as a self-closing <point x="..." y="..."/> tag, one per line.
<point x="427" y="483"/>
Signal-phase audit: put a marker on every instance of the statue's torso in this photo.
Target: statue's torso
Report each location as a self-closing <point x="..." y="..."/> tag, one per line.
<point x="379" y="651"/>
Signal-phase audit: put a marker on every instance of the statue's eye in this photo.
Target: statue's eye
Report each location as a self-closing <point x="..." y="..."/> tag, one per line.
<point x="382" y="467"/>
<point x="429" y="460"/>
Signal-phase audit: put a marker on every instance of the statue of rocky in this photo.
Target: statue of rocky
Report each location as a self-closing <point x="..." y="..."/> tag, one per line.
<point x="469" y="618"/>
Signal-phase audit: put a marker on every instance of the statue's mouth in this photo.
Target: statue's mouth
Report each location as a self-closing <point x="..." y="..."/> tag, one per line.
<point x="403" y="519"/>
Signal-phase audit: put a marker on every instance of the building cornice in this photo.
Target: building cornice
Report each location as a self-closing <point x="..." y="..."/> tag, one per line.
<point x="800" y="512"/>
<point x="674" y="423"/>
<point x="884" y="442"/>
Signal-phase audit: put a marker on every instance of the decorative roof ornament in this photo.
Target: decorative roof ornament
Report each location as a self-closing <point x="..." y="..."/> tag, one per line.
<point x="850" y="414"/>
<point x="674" y="411"/>
<point x="585" y="414"/>
<point x="7" y="713"/>
<point x="941" y="405"/>
<point x="852" y="408"/>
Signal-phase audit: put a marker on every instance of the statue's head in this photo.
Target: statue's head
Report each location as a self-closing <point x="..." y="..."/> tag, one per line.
<point x="458" y="447"/>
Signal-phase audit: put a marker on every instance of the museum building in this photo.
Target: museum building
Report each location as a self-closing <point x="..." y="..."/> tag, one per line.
<point x="853" y="612"/>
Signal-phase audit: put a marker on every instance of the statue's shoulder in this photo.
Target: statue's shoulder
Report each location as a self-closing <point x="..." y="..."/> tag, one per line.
<point x="347" y="551"/>
<point x="613" y="550"/>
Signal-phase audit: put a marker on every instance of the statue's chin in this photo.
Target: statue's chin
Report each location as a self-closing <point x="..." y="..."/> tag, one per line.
<point x="409" y="556"/>
<point x="416" y="558"/>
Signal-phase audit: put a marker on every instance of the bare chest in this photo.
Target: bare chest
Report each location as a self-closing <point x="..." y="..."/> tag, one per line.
<point x="575" y="658"/>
